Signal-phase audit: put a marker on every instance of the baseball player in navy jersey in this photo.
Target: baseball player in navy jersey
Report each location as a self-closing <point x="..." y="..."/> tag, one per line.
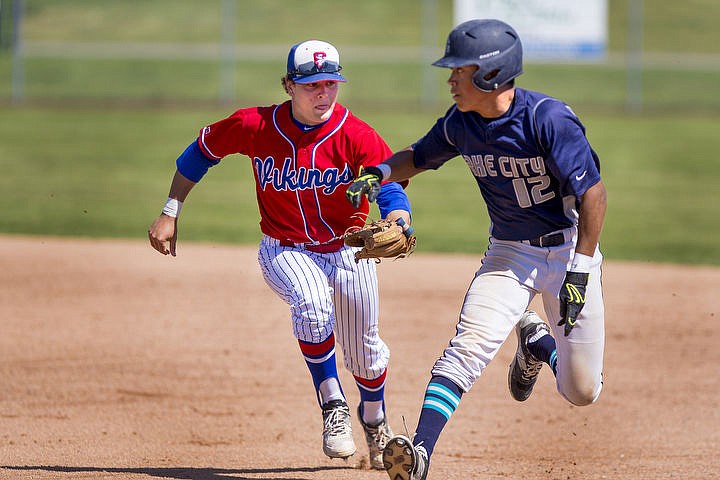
<point x="305" y="152"/>
<point x="541" y="183"/>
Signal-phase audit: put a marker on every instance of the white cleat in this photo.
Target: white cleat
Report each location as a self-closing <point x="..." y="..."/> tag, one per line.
<point x="337" y="430"/>
<point x="377" y="438"/>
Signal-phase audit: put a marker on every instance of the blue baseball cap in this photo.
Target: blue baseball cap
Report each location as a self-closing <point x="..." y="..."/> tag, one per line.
<point x="314" y="61"/>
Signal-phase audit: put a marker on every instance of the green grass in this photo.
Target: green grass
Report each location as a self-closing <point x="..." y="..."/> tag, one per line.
<point x="669" y="26"/>
<point x="92" y="150"/>
<point x="256" y="21"/>
<point x="106" y="174"/>
<point x="663" y="190"/>
<point x="375" y="80"/>
<point x="191" y="82"/>
<point x="687" y="26"/>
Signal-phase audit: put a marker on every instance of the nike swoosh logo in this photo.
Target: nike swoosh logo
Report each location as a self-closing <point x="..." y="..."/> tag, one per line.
<point x="580" y="177"/>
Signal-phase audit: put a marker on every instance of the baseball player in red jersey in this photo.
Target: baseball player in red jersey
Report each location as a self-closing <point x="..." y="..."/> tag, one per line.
<point x="305" y="152"/>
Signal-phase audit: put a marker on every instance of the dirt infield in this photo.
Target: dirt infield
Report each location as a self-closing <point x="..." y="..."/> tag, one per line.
<point x="119" y="363"/>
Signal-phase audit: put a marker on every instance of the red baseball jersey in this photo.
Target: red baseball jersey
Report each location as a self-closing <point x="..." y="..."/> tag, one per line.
<point x="300" y="176"/>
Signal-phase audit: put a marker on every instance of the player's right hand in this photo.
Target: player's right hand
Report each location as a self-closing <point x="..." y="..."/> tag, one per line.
<point x="163" y="231"/>
<point x="367" y="183"/>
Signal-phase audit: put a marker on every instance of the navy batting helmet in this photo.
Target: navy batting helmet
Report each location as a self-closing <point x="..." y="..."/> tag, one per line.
<point x="492" y="45"/>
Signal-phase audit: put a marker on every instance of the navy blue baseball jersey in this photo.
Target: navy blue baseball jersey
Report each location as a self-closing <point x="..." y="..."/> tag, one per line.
<point x="531" y="164"/>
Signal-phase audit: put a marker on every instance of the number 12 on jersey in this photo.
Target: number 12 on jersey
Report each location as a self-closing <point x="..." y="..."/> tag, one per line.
<point x="532" y="190"/>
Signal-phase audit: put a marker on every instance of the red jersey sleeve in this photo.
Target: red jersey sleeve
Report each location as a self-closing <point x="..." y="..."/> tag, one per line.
<point x="369" y="147"/>
<point x="229" y="135"/>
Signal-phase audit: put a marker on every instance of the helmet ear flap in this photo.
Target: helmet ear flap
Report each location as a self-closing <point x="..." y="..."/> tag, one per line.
<point x="477" y="79"/>
<point x="481" y="79"/>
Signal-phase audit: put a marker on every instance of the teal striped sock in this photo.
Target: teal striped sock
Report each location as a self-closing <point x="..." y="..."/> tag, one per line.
<point x="442" y="397"/>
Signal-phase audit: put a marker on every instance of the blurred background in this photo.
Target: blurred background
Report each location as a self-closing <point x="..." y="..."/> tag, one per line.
<point x="99" y="97"/>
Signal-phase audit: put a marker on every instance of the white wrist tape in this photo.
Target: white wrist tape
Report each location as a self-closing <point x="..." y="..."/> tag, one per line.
<point x="172" y="207"/>
<point x="581" y="263"/>
<point x="385" y="169"/>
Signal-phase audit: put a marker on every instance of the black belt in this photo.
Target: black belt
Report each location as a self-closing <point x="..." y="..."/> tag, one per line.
<point x="329" y="247"/>
<point x="549" y="240"/>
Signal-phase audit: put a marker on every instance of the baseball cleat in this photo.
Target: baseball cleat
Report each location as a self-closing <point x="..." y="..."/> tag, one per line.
<point x="337" y="430"/>
<point x="525" y="368"/>
<point x="377" y="438"/>
<point x="403" y="461"/>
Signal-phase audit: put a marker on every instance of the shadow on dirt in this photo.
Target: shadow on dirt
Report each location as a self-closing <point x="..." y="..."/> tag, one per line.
<point x="189" y="473"/>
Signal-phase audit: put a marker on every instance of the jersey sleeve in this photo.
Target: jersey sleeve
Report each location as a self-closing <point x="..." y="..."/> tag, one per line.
<point x="436" y="147"/>
<point x="226" y="136"/>
<point x="193" y="164"/>
<point x="370" y="148"/>
<point x="392" y="196"/>
<point x="567" y="150"/>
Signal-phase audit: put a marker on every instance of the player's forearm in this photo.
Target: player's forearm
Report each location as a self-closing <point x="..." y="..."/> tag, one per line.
<point x="180" y="187"/>
<point x="591" y="218"/>
<point x="402" y="166"/>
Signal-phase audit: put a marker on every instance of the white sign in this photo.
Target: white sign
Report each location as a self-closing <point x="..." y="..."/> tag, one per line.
<point x="548" y="29"/>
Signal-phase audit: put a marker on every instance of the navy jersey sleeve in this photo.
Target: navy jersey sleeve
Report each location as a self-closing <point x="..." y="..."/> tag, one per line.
<point x="567" y="150"/>
<point x="436" y="147"/>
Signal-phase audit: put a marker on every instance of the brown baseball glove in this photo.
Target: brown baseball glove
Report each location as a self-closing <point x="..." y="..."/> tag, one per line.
<point x="381" y="239"/>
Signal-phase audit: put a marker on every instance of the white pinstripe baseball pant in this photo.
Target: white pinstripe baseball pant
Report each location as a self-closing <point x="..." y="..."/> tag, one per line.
<point x="326" y="292"/>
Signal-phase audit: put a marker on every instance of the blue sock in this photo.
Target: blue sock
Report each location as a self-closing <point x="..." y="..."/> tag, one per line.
<point x="544" y="349"/>
<point x="372" y="395"/>
<point x="320" y="359"/>
<point x="441" y="399"/>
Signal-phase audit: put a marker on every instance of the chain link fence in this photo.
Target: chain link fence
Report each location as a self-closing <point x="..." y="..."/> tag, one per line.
<point x="225" y="52"/>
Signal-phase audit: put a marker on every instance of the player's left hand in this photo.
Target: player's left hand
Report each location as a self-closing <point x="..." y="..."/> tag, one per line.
<point x="572" y="299"/>
<point x="367" y="183"/>
<point x="382" y="239"/>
